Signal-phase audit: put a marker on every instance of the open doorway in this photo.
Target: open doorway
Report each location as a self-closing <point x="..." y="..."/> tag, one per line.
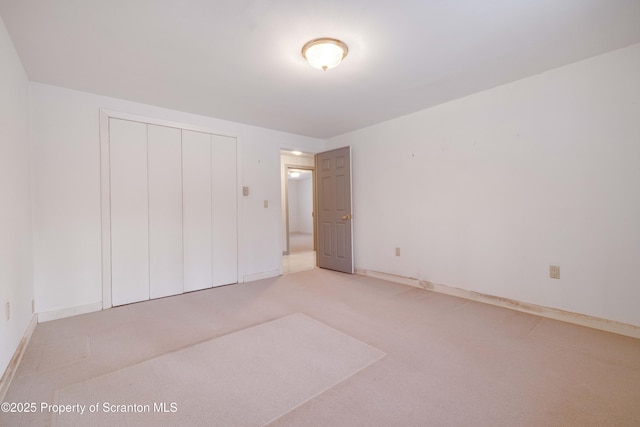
<point x="298" y="196"/>
<point x="300" y="210"/>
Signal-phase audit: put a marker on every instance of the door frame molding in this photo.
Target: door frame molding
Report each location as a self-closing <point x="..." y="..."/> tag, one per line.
<point x="105" y="190"/>
<point x="288" y="166"/>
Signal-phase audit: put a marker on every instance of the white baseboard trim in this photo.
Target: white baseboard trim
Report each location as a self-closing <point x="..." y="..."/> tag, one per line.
<point x="551" y="313"/>
<point x="260" y="276"/>
<point x="69" y="311"/>
<point x="12" y="368"/>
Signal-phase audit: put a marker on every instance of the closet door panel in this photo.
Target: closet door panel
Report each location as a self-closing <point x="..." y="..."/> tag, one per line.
<point x="165" y="211"/>
<point x="129" y="212"/>
<point x="196" y="161"/>
<point x="224" y="211"/>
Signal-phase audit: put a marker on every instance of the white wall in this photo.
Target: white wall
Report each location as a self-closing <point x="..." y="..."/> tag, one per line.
<point x="305" y="206"/>
<point x="294" y="203"/>
<point x="485" y="192"/>
<point x="300" y="205"/>
<point x="16" y="278"/>
<point x="66" y="156"/>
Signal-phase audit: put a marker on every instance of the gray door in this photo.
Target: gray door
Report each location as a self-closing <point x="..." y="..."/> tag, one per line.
<point x="335" y="231"/>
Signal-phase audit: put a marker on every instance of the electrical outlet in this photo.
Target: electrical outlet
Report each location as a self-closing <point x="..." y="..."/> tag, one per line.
<point x="397" y="251"/>
<point x="554" y="271"/>
<point x="7" y="310"/>
<point x="266" y="203"/>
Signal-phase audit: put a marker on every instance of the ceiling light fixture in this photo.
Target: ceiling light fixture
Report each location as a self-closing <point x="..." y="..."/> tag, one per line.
<point x="296" y="153"/>
<point x="324" y="53"/>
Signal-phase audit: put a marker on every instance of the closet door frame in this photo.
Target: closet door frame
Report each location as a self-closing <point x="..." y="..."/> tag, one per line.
<point x="105" y="190"/>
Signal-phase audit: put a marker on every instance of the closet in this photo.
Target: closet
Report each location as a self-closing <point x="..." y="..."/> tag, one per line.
<point x="173" y="216"/>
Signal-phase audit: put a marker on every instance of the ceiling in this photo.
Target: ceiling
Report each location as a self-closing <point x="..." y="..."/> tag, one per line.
<point x="240" y="59"/>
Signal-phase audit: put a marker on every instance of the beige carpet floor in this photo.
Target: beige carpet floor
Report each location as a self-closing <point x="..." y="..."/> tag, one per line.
<point x="449" y="362"/>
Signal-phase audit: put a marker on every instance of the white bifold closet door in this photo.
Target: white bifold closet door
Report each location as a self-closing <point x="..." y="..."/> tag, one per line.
<point x="173" y="211"/>
<point x="196" y="181"/>
<point x="210" y="213"/>
<point x="165" y="211"/>
<point x="129" y="212"/>
<point x="224" y="210"/>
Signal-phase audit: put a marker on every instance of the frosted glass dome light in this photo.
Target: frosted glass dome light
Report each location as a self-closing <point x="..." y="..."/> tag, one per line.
<point x="324" y="53"/>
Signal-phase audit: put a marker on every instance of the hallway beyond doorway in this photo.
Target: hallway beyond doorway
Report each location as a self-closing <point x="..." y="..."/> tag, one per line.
<point x="300" y="261"/>
<point x="300" y="242"/>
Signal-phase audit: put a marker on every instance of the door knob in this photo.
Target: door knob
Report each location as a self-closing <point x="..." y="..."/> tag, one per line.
<point x="346" y="217"/>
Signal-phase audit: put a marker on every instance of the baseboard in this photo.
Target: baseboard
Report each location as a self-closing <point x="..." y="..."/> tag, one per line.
<point x="551" y="313"/>
<point x="68" y="312"/>
<point x="12" y="368"/>
<point x="260" y="276"/>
